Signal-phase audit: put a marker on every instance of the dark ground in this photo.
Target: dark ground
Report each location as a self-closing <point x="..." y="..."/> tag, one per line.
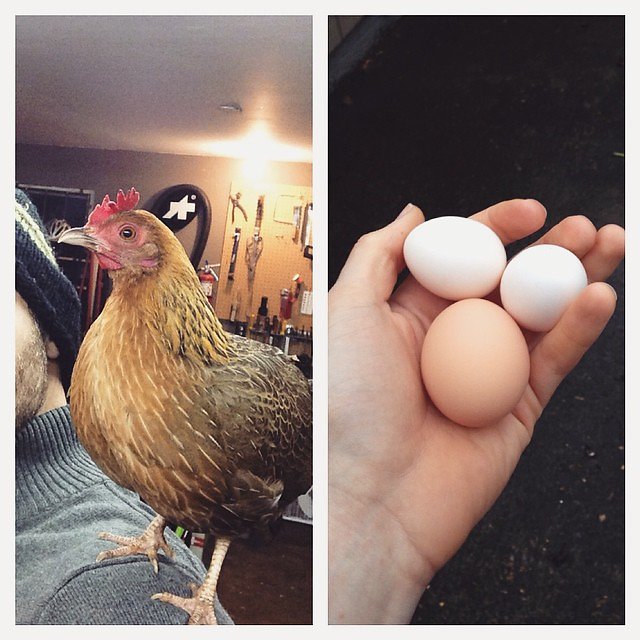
<point x="454" y="114"/>
<point x="270" y="584"/>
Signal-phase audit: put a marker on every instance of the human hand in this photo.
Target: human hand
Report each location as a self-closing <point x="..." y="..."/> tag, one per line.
<point x="407" y="485"/>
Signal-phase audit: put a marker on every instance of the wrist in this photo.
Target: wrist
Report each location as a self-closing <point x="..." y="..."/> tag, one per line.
<point x="376" y="576"/>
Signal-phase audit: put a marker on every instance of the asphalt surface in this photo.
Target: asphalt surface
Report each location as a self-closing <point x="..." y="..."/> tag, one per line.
<point x="454" y="114"/>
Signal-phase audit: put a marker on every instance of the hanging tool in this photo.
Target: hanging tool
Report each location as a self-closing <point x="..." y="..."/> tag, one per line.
<point x="236" y="205"/>
<point x="297" y="222"/>
<point x="252" y="254"/>
<point x="234" y="252"/>
<point x="306" y="238"/>
<point x="254" y="246"/>
<point x="259" y="212"/>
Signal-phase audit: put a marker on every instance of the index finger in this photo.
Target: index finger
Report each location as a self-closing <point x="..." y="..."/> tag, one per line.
<point x="372" y="268"/>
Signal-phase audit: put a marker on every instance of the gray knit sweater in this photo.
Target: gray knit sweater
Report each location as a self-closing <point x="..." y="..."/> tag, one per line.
<point x="62" y="501"/>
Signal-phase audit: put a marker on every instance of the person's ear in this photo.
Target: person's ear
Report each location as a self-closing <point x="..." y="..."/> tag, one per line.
<point x="52" y="349"/>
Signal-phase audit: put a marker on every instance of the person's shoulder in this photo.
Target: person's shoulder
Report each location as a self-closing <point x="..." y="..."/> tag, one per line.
<point x="119" y="591"/>
<point x="59" y="582"/>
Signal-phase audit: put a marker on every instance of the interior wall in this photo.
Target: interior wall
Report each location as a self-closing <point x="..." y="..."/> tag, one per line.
<point x="104" y="171"/>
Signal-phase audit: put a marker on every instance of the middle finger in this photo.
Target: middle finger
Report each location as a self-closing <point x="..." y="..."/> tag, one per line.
<point x="575" y="233"/>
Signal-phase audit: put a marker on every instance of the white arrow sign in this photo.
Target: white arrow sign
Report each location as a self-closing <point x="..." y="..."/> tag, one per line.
<point x="181" y="209"/>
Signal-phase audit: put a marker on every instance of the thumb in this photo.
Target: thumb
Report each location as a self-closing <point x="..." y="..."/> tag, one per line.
<point x="372" y="268"/>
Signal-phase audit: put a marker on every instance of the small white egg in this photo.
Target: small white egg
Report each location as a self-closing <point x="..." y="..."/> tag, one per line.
<point x="539" y="283"/>
<point x="455" y="257"/>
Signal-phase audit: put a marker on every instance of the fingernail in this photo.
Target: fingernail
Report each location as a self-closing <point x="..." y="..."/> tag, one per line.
<point x="537" y="202"/>
<point x="612" y="289"/>
<point x="406" y="210"/>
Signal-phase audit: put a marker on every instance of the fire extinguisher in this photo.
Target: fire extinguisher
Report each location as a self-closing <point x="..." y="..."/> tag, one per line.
<point x="207" y="277"/>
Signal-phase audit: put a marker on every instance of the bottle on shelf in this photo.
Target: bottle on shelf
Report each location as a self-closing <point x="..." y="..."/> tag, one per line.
<point x="275" y="325"/>
<point x="263" y="313"/>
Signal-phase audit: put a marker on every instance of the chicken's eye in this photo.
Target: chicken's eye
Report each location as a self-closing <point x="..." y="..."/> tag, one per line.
<point x="127" y="233"/>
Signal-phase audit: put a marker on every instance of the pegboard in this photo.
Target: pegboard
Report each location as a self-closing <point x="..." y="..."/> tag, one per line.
<point x="281" y="256"/>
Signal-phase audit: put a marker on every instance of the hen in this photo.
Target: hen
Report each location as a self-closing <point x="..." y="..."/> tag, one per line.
<point x="212" y="430"/>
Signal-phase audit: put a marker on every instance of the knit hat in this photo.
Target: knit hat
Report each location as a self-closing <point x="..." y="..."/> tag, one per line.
<point x="46" y="290"/>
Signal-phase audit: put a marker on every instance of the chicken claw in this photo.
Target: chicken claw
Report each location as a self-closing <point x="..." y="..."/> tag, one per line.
<point x="200" y="605"/>
<point x="147" y="542"/>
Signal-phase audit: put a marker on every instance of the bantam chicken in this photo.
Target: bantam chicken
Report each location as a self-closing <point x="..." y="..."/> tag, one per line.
<point x="212" y="430"/>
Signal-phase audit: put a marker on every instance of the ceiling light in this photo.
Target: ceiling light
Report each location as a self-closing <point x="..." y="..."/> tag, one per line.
<point x="257" y="144"/>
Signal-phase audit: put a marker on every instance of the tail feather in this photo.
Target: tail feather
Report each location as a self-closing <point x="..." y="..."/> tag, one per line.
<point x="253" y="499"/>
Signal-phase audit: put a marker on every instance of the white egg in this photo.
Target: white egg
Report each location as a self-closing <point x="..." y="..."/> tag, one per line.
<point x="455" y="257"/>
<point x="539" y="283"/>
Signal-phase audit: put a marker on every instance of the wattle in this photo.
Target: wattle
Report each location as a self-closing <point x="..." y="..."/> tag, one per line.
<point x="108" y="263"/>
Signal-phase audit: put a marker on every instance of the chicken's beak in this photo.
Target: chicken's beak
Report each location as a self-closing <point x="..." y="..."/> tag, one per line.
<point x="79" y="236"/>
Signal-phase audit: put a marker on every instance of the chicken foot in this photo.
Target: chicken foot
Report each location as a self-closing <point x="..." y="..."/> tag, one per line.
<point x="147" y="542"/>
<point x="200" y="605"/>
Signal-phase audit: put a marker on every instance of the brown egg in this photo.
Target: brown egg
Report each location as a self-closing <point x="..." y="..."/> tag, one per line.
<point x="475" y="362"/>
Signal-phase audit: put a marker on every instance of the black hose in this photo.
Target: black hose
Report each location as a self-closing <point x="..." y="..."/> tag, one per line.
<point x="203" y="215"/>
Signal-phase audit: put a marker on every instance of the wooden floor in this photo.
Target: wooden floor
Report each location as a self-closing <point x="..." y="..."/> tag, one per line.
<point x="270" y="584"/>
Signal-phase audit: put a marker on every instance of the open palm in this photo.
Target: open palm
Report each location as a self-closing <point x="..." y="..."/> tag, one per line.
<point x="395" y="462"/>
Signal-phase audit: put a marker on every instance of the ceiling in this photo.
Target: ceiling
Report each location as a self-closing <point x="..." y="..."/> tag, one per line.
<point x="156" y="83"/>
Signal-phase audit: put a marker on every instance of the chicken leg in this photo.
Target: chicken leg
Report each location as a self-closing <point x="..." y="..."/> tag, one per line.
<point x="200" y="605"/>
<point x="147" y="542"/>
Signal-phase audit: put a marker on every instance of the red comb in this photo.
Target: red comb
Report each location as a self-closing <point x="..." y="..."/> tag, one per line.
<point x="107" y="207"/>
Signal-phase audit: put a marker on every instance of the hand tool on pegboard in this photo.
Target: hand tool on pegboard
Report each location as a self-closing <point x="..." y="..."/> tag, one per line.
<point x="255" y="244"/>
<point x="235" y="202"/>
<point x="234" y="253"/>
